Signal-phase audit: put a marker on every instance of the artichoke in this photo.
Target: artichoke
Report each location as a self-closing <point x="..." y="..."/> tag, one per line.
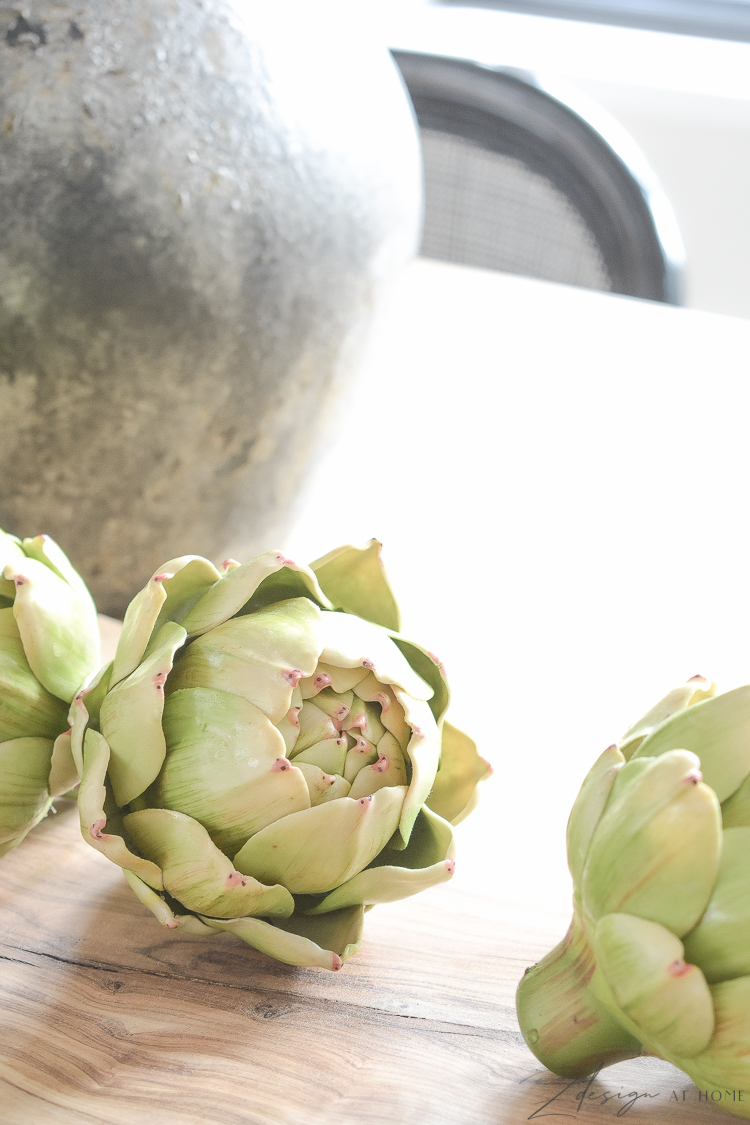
<point x="657" y="957"/>
<point x="49" y="645"/>
<point x="261" y="757"/>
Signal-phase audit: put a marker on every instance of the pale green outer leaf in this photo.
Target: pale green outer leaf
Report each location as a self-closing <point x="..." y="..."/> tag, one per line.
<point x="718" y="731"/>
<point x="131" y="715"/>
<point x="45" y="550"/>
<point x="460" y="771"/>
<point x="57" y="626"/>
<point x="427" y="861"/>
<point x="725" y="1064"/>
<point x="350" y="642"/>
<point x="588" y="808"/>
<point x="227" y="597"/>
<point x="655" y="851"/>
<point x="424" y="753"/>
<point x="735" y="811"/>
<point x="259" y="657"/>
<point x="226" y="767"/>
<point x="92" y="795"/>
<point x="289" y="948"/>
<point x="694" y="691"/>
<point x="185" y="588"/>
<point x="187" y="923"/>
<point x="11" y="551"/>
<point x="196" y="873"/>
<point x="79" y="717"/>
<point x="169" y="591"/>
<point x="312" y="852"/>
<point x="24" y="797"/>
<point x="719" y="943"/>
<point x="339" y="931"/>
<point x="355" y="581"/>
<point x="63" y="774"/>
<point x="429" y="668"/>
<point x="27" y="709"/>
<point x="667" y="999"/>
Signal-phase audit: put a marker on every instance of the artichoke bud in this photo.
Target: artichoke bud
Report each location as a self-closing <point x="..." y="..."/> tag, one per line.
<point x="259" y="742"/>
<point x="49" y="645"/>
<point x="655" y="851"/>
<point x="666" y="998"/>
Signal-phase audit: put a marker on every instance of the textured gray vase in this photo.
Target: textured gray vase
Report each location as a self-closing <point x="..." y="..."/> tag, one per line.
<point x="201" y="202"/>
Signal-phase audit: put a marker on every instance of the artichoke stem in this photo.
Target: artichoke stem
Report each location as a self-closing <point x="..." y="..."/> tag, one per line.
<point x="564" y="1023"/>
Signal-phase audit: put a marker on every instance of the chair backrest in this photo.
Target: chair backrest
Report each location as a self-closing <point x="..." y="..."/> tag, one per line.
<point x="518" y="180"/>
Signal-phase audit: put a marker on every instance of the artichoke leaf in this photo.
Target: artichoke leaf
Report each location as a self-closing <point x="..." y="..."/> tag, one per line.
<point x="427" y="861"/>
<point x="666" y="998"/>
<point x="24" y="773"/>
<point x="588" y="808"/>
<point x="131" y="718"/>
<point x="725" y="1063"/>
<point x="424" y="754"/>
<point x="349" y="642"/>
<point x="92" y="796"/>
<point x="226" y="767"/>
<point x="339" y="931"/>
<point x="329" y="755"/>
<point x="694" y="691"/>
<point x="27" y="709"/>
<point x="291" y="948"/>
<point x="163" y="913"/>
<point x="196" y="873"/>
<point x="84" y="712"/>
<point x="63" y="772"/>
<point x="260" y="657"/>
<point x="355" y="581"/>
<point x="460" y="770"/>
<point x="390" y="768"/>
<point x="53" y="618"/>
<point x="45" y="550"/>
<point x="716" y="729"/>
<point x="370" y="690"/>
<point x="313" y="851"/>
<point x="429" y="668"/>
<point x="229" y="596"/>
<point x="719" y="943"/>
<point x="655" y="851"/>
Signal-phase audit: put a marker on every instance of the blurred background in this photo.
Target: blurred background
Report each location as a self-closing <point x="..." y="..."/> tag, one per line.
<point x="674" y="74"/>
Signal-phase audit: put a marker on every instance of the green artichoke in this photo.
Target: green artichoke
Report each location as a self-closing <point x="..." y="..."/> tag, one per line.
<point x="657" y="957"/>
<point x="263" y="753"/>
<point x="49" y="645"/>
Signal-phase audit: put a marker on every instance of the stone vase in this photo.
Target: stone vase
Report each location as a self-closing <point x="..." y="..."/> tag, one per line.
<point x="201" y="203"/>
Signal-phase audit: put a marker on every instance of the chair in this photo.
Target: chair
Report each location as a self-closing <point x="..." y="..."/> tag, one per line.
<point x="517" y="179"/>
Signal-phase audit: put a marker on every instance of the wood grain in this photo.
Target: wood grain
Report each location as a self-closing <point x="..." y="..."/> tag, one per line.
<point x="107" y="1018"/>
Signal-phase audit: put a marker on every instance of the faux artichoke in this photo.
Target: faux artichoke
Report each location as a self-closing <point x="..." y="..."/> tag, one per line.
<point x="49" y="645"/>
<point x="262" y="755"/>
<point x="657" y="958"/>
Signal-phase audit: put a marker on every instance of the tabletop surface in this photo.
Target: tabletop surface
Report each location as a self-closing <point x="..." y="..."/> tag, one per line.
<point x="559" y="479"/>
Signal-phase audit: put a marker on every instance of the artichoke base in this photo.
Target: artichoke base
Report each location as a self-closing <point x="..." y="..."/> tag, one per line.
<point x="563" y="1020"/>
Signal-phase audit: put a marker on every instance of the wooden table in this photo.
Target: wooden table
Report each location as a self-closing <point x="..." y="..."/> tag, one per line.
<point x="560" y="479"/>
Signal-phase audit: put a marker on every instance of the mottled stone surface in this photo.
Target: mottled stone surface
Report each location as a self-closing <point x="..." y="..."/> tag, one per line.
<point x="200" y="203"/>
